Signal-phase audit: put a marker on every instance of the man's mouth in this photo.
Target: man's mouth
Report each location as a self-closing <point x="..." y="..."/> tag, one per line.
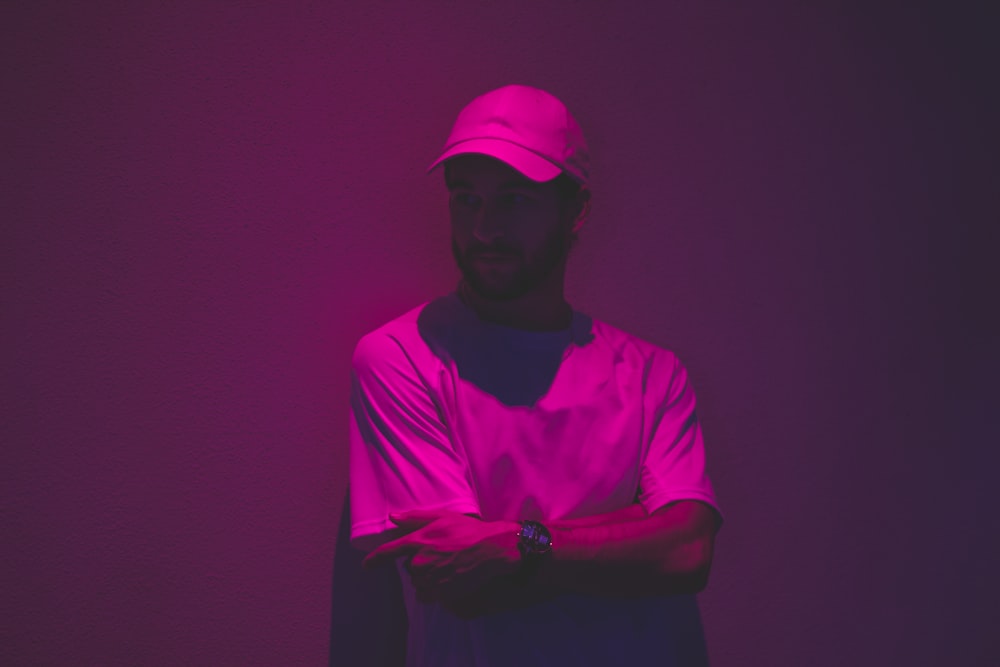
<point x="493" y="256"/>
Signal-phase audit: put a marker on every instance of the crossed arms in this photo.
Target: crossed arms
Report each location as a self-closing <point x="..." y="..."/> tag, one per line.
<point x="470" y="566"/>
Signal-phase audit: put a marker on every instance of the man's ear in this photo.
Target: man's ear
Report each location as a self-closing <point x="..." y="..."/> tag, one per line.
<point x="582" y="208"/>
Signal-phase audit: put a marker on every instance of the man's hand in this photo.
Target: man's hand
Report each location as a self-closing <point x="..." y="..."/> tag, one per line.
<point x="451" y="555"/>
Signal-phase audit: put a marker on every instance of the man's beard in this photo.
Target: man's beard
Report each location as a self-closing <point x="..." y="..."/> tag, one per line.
<point x="530" y="273"/>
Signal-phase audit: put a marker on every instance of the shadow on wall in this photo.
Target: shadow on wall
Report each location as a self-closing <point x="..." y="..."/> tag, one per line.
<point x="369" y="624"/>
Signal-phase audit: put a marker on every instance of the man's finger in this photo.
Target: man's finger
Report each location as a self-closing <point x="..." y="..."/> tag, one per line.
<point x="389" y="552"/>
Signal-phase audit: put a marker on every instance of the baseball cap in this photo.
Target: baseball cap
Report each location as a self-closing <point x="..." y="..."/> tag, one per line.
<point x="525" y="127"/>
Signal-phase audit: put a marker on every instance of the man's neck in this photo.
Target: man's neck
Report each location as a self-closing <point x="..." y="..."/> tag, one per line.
<point x="540" y="310"/>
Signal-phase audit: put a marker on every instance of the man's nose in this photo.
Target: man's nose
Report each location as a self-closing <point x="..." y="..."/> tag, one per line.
<point x="488" y="227"/>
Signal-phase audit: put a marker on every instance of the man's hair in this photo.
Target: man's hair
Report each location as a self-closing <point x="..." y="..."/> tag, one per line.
<point x="567" y="187"/>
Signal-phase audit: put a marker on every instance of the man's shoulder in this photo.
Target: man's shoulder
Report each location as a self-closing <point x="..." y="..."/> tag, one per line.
<point x="405" y="336"/>
<point x="625" y="342"/>
<point x="659" y="365"/>
<point x="387" y="339"/>
<point x="400" y="325"/>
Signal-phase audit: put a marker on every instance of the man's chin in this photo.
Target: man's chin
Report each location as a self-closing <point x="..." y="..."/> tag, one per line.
<point x="495" y="293"/>
<point x="494" y="290"/>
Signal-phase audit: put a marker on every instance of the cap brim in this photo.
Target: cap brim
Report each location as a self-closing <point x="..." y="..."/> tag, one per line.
<point x="530" y="164"/>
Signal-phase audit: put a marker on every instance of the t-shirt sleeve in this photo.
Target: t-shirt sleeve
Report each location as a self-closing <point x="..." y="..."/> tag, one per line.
<point x="401" y="455"/>
<point x="673" y="467"/>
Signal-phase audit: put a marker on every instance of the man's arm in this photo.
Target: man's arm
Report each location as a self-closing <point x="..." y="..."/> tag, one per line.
<point x="509" y="591"/>
<point x="472" y="566"/>
<point x="633" y="512"/>
<point x="665" y="553"/>
<point x="401" y="454"/>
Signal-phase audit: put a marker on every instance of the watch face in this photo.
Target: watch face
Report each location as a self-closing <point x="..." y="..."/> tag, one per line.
<point x="535" y="538"/>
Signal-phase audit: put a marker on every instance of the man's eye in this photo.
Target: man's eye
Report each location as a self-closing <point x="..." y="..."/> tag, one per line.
<point x="515" y="199"/>
<point x="465" y="199"/>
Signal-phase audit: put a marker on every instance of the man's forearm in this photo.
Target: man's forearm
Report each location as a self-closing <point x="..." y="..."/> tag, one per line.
<point x="511" y="592"/>
<point x="666" y="553"/>
<point x="632" y="512"/>
<point x="623" y="553"/>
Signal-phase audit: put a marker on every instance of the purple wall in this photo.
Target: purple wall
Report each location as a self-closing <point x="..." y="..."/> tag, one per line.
<point x="205" y="206"/>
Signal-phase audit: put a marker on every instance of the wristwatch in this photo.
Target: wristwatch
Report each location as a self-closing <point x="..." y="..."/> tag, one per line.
<point x="533" y="540"/>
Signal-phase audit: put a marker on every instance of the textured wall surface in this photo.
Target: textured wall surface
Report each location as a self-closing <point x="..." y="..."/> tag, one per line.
<point x="206" y="204"/>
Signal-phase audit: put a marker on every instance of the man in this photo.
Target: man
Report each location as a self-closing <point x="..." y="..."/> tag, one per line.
<point x="537" y="475"/>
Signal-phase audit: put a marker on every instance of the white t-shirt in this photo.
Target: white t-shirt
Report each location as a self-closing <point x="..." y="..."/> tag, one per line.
<point x="458" y="414"/>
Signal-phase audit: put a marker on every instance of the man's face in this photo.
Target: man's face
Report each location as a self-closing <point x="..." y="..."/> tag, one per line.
<point x="509" y="233"/>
